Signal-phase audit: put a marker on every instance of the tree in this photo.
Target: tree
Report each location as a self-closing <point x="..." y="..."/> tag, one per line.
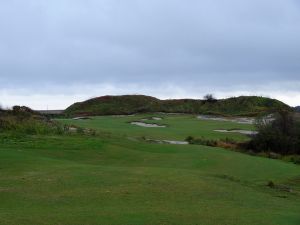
<point x="209" y="98"/>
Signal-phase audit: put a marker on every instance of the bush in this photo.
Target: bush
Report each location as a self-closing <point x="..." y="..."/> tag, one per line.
<point x="271" y="184"/>
<point x="201" y="141"/>
<point x="281" y="136"/>
<point x="189" y="139"/>
<point x="295" y="159"/>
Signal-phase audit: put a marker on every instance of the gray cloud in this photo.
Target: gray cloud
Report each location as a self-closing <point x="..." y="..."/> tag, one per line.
<point x="208" y="44"/>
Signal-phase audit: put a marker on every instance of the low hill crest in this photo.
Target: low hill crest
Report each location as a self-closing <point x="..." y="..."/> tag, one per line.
<point x="130" y="104"/>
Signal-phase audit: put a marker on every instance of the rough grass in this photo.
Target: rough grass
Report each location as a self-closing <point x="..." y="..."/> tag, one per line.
<point x="23" y="121"/>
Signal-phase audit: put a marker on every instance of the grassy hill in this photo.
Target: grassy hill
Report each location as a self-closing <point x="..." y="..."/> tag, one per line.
<point x="130" y="104"/>
<point x="114" y="105"/>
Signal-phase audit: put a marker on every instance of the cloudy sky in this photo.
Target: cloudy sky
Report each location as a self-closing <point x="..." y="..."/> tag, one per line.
<point x="53" y="53"/>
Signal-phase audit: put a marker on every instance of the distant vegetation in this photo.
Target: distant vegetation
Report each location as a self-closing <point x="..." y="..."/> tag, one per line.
<point x="297" y="108"/>
<point x="130" y="104"/>
<point x="210" y="98"/>
<point x="23" y="120"/>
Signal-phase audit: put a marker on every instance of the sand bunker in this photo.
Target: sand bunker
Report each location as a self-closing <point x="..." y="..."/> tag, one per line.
<point x="247" y="132"/>
<point x="242" y="120"/>
<point x="169" y="142"/>
<point x="123" y="115"/>
<point x="152" y="118"/>
<point x="156" y="118"/>
<point x="176" y="142"/>
<point x="81" y="118"/>
<point x="141" y="124"/>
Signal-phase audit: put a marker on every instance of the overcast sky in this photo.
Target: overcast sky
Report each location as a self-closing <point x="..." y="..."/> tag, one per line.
<point x="53" y="53"/>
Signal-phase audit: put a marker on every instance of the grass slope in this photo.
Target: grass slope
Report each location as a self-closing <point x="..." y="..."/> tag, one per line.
<point x="81" y="180"/>
<point x="129" y="104"/>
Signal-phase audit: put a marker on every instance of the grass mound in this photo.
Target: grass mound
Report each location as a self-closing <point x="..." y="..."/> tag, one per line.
<point x="130" y="104"/>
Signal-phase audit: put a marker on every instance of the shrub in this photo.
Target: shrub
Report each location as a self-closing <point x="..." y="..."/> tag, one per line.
<point x="271" y="184"/>
<point x="295" y="159"/>
<point x="80" y="130"/>
<point x="189" y="139"/>
<point x="201" y="141"/>
<point x="281" y="136"/>
<point x="93" y="132"/>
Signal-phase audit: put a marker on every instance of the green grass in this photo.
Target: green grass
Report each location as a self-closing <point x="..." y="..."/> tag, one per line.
<point x="112" y="180"/>
<point x="178" y="126"/>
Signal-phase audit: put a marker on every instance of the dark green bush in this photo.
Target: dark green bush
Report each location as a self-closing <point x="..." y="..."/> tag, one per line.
<point x="280" y="136"/>
<point x="202" y="141"/>
<point x="271" y="184"/>
<point x="295" y="159"/>
<point x="189" y="139"/>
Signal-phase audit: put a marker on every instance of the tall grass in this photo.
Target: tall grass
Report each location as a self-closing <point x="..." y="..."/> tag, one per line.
<point x="23" y="120"/>
<point x="30" y="126"/>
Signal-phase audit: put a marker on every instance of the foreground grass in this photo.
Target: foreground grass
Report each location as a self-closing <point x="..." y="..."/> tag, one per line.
<point x="109" y="180"/>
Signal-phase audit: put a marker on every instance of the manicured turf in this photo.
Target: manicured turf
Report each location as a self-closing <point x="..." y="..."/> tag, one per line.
<point x="113" y="180"/>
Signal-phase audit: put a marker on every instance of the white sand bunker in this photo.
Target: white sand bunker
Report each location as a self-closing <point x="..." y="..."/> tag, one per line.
<point x="176" y="142"/>
<point x="242" y="120"/>
<point x="247" y="132"/>
<point x="156" y="118"/>
<point x="123" y="115"/>
<point x="152" y="118"/>
<point x="81" y="118"/>
<point x="169" y="142"/>
<point x="141" y="124"/>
